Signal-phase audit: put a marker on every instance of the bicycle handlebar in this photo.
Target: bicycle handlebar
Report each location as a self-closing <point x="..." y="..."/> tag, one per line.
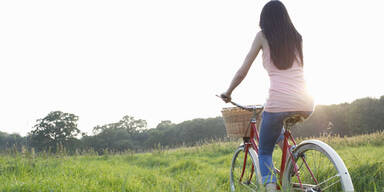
<point x="255" y="107"/>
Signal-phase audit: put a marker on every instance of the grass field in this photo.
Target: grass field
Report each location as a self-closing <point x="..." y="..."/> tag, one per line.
<point x="200" y="168"/>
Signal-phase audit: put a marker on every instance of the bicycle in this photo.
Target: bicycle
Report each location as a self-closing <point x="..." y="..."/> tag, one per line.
<point x="311" y="165"/>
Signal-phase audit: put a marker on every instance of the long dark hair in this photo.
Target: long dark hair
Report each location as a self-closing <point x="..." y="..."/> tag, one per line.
<point x="284" y="41"/>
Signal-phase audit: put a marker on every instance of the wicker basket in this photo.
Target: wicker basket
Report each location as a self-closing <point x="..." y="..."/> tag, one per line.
<point x="237" y="122"/>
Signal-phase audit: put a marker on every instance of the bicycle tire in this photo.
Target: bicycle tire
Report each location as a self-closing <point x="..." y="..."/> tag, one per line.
<point x="332" y="176"/>
<point x="250" y="181"/>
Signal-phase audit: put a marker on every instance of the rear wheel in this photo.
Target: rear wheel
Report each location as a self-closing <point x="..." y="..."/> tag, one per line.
<point x="319" y="169"/>
<point x="249" y="180"/>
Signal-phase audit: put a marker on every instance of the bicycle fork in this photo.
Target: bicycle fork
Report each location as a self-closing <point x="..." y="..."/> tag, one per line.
<point x="250" y="142"/>
<point x="245" y="161"/>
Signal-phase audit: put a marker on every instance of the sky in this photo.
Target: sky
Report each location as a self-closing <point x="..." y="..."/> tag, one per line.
<point x="166" y="60"/>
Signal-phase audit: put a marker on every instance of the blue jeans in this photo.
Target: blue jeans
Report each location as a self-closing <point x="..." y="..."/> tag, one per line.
<point x="271" y="132"/>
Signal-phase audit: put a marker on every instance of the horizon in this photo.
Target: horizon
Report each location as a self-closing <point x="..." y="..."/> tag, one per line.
<point x="212" y="116"/>
<point x="167" y="60"/>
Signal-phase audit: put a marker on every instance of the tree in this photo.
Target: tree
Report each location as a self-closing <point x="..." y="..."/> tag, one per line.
<point x="117" y="136"/>
<point x="57" y="128"/>
<point x="128" y="123"/>
<point x="163" y="125"/>
<point x="11" y="140"/>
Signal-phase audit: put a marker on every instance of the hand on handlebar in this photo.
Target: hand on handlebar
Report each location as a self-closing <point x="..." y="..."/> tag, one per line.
<point x="225" y="97"/>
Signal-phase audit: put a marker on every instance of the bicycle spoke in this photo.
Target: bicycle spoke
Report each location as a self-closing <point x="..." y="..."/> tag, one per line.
<point x="332" y="184"/>
<point x="320" y="172"/>
<point x="337" y="175"/>
<point x="296" y="186"/>
<point x="318" y="168"/>
<point x="243" y="172"/>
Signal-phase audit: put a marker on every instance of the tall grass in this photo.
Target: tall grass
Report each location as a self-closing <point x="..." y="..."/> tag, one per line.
<point x="201" y="168"/>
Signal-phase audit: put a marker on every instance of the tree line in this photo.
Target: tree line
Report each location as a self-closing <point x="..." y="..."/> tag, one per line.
<point x="59" y="130"/>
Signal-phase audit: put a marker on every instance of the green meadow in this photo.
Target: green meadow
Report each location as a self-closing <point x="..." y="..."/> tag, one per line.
<point x="201" y="168"/>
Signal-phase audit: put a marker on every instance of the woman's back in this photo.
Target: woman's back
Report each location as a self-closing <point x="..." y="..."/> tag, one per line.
<point x="288" y="90"/>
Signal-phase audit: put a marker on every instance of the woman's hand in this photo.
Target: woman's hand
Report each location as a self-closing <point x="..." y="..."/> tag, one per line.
<point x="226" y="97"/>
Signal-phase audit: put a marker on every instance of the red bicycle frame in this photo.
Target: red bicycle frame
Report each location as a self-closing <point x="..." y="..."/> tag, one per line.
<point x="250" y="142"/>
<point x="287" y="148"/>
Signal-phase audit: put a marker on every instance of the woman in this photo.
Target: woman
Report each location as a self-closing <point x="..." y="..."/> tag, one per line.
<point x="283" y="60"/>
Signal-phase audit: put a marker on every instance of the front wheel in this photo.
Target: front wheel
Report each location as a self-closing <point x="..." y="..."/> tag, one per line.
<point x="249" y="179"/>
<point x="318" y="168"/>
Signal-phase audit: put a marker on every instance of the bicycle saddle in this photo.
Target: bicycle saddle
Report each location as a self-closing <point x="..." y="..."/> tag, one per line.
<point x="291" y="120"/>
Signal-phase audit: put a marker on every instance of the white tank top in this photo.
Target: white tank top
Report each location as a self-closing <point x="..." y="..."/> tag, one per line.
<point x="288" y="90"/>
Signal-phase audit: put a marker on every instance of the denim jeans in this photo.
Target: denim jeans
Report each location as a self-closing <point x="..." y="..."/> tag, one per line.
<point x="271" y="132"/>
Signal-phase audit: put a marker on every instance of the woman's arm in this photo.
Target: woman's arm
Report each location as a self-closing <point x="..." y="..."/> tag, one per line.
<point x="242" y="72"/>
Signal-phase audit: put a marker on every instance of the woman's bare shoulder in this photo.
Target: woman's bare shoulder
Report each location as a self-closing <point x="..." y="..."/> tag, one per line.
<point x="260" y="34"/>
<point x="261" y="37"/>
